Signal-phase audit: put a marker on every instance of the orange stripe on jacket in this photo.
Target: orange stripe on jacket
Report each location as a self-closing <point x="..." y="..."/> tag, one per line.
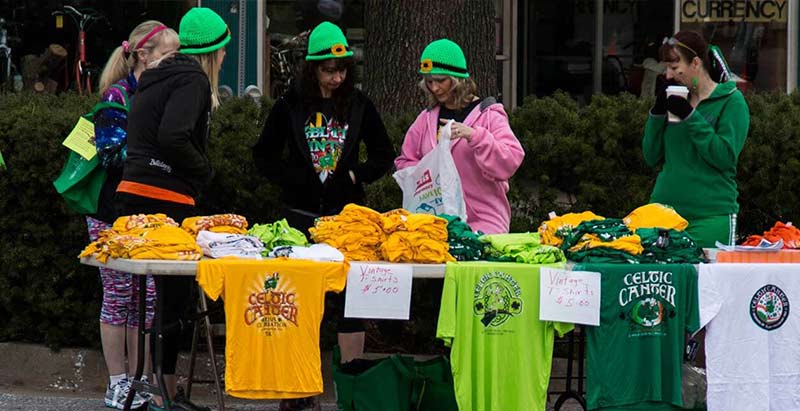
<point x="158" y="193"/>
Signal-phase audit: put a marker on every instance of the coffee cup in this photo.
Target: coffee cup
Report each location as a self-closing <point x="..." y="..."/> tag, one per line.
<point x="681" y="91"/>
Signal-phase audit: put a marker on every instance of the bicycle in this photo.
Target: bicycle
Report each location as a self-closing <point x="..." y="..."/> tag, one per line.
<point x="286" y="56"/>
<point x="83" y="19"/>
<point x="10" y="80"/>
<point x="5" y="56"/>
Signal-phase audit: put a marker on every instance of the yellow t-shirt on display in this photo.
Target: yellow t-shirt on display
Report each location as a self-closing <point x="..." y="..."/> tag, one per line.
<point x="273" y="310"/>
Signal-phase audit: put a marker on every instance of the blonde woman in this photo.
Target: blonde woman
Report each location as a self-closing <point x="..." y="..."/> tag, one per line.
<point x="485" y="150"/>
<point x="167" y="162"/>
<point x="119" y="317"/>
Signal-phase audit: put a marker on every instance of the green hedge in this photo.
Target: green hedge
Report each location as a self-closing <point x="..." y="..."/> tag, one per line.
<point x="577" y="158"/>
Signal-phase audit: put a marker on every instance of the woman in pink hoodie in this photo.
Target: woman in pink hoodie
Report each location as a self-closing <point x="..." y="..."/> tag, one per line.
<point x="484" y="148"/>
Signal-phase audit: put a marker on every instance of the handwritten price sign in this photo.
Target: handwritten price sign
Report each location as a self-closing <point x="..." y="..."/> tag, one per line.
<point x="378" y="291"/>
<point x="569" y="296"/>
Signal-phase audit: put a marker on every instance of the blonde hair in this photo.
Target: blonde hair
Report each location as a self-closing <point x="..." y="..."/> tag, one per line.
<point x="208" y="61"/>
<point x="118" y="66"/>
<point x="461" y="94"/>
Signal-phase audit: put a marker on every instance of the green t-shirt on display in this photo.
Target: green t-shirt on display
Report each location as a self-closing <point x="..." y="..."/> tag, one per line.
<point x="501" y="352"/>
<point x="633" y="359"/>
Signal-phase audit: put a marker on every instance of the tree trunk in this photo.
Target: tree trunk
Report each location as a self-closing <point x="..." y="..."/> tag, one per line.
<point x="398" y="30"/>
<point x="37" y="70"/>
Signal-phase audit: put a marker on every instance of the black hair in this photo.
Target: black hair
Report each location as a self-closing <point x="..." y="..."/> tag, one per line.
<point x="342" y="96"/>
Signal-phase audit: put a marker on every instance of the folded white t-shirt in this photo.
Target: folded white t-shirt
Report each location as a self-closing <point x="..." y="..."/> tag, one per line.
<point x="316" y="252"/>
<point x="217" y="245"/>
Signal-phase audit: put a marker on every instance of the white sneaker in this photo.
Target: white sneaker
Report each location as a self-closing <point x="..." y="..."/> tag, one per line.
<point x="117" y="393"/>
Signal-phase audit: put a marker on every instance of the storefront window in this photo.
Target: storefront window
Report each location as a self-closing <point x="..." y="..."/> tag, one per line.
<point x="751" y="34"/>
<point x="560" y="40"/>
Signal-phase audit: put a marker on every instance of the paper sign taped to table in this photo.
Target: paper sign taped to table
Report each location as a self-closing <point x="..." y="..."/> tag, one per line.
<point x="81" y="139"/>
<point x="378" y="291"/>
<point x="569" y="296"/>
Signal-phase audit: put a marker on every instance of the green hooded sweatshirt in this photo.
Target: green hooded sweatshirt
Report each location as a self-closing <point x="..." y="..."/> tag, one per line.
<point x="699" y="154"/>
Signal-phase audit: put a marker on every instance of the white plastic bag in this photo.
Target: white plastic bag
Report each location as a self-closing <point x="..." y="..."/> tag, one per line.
<point x="433" y="185"/>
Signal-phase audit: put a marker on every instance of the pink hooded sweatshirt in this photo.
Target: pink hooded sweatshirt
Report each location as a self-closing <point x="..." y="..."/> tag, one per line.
<point x="485" y="163"/>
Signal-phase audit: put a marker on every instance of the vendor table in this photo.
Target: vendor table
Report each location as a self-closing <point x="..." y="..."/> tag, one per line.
<point x="174" y="267"/>
<point x="189" y="268"/>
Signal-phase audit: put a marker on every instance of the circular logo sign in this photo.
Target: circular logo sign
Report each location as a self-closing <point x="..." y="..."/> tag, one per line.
<point x="496" y="302"/>
<point x="648" y="312"/>
<point x="769" y="307"/>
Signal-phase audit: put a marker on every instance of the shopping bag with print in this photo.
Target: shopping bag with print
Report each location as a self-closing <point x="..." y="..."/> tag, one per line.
<point x="433" y="185"/>
<point x="81" y="179"/>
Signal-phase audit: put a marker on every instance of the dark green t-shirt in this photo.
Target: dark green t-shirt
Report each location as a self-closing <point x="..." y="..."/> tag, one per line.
<point x="634" y="357"/>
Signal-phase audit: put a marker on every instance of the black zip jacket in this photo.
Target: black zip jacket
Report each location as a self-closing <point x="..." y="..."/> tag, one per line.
<point x="168" y="128"/>
<point x="282" y="155"/>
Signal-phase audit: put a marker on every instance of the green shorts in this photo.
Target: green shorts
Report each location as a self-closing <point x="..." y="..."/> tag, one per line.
<point x="708" y="230"/>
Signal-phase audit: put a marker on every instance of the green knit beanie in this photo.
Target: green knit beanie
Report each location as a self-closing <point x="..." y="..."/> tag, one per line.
<point x="203" y="31"/>
<point x="327" y="42"/>
<point x="443" y="57"/>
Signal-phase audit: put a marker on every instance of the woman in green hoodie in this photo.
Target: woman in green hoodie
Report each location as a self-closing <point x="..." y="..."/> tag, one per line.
<point x="699" y="153"/>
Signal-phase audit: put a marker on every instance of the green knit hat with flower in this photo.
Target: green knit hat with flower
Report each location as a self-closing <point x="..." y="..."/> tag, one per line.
<point x="202" y="31"/>
<point x="443" y="57"/>
<point x="327" y="42"/>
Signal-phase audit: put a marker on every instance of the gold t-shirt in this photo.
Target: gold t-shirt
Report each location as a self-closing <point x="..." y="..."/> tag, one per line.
<point x="273" y="310"/>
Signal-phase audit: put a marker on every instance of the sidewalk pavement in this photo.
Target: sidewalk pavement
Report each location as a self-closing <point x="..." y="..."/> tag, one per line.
<point x="33" y="378"/>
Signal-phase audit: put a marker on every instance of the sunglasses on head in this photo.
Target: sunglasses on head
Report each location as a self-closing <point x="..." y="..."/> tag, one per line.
<point x="672" y="41"/>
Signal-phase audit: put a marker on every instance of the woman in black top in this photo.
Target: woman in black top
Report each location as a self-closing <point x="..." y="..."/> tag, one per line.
<point x="310" y="149"/>
<point x="167" y="162"/>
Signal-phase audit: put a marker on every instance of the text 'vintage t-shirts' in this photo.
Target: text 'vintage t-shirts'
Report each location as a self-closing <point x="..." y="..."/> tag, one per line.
<point x="752" y="336"/>
<point x="501" y="352"/>
<point x="273" y="310"/>
<point x="634" y="357"/>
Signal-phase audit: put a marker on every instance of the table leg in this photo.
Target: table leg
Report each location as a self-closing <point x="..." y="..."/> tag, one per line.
<point x="210" y="342"/>
<point x="158" y="355"/>
<point x="141" y="346"/>
<point x="568" y="392"/>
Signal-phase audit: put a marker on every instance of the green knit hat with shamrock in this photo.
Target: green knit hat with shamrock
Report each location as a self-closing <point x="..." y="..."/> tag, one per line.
<point x="327" y="42"/>
<point x="202" y="31"/>
<point x="443" y="57"/>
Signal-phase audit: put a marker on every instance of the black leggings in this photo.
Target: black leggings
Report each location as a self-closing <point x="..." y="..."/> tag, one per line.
<point x="178" y="294"/>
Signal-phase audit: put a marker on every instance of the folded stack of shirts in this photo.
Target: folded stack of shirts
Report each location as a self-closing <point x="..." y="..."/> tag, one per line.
<point x="780" y="231"/>
<point x="277" y="234"/>
<point x="465" y="245"/>
<point x="144" y="237"/>
<point x="218" y="245"/>
<point x="219" y="223"/>
<point x="668" y="247"/>
<point x="357" y="232"/>
<point x="138" y="221"/>
<point x="553" y="231"/>
<point x="655" y="215"/>
<point x="415" y="238"/>
<point x="602" y="241"/>
<point x="521" y="248"/>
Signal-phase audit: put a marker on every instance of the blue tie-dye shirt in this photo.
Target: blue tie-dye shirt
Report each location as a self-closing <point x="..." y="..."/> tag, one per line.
<point x="111" y="124"/>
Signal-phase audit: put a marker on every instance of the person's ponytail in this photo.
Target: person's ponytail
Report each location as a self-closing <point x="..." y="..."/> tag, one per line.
<point x="117" y="68"/>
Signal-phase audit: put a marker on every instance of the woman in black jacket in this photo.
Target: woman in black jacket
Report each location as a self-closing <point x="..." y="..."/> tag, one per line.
<point x="310" y="148"/>
<point x="167" y="162"/>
